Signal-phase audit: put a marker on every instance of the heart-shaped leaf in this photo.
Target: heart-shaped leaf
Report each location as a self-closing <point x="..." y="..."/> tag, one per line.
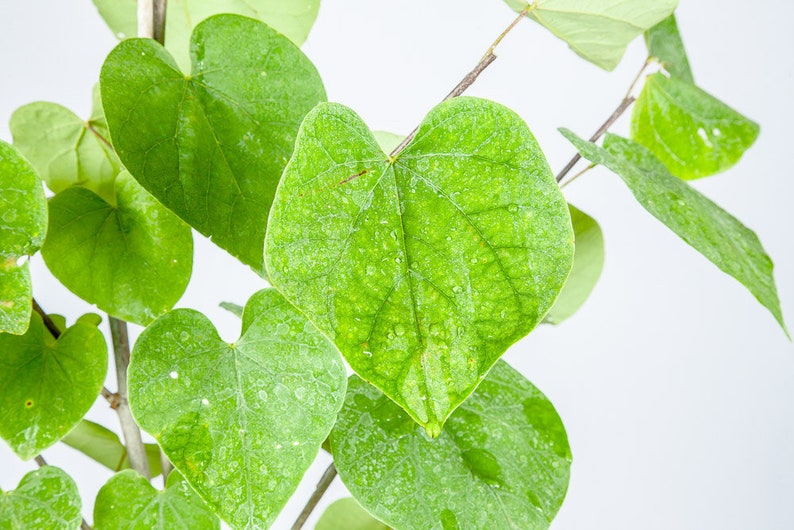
<point x="422" y="269"/>
<point x="46" y="498"/>
<point x="129" y="502"/>
<point x="502" y="460"/>
<point x="347" y="514"/>
<point x="665" y="45"/>
<point x="65" y="150"/>
<point x="104" y="446"/>
<point x="293" y="19"/>
<point x="23" y="224"/>
<point x="48" y="385"/>
<point x="132" y="259"/>
<point x="211" y="146"/>
<point x="692" y="132"/>
<point x="241" y="421"/>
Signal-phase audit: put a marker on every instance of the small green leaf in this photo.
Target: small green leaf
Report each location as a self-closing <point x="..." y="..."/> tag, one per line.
<point x="291" y="18"/>
<point x="664" y="43"/>
<point x="235" y="309"/>
<point x="132" y="260"/>
<point x="598" y="30"/>
<point x="241" y="421"/>
<point x="422" y="269"/>
<point x="48" y="385"/>
<point x="387" y="141"/>
<point x="588" y="260"/>
<point x="502" y="460"/>
<point x="347" y="514"/>
<point x="709" y="229"/>
<point x="129" y="502"/>
<point x="23" y="224"/>
<point x="212" y="146"/>
<point x="45" y="499"/>
<point x="693" y="133"/>
<point x="65" y="150"/>
<point x="103" y="446"/>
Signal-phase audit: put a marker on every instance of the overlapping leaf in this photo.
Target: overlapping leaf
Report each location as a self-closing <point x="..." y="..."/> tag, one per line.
<point x="46" y="498"/>
<point x="211" y="146"/>
<point x="502" y="460"/>
<point x="425" y="268"/>
<point x="241" y="421"/>
<point x="664" y="44"/>
<point x="104" y="446"/>
<point x="132" y="258"/>
<point x="712" y="231"/>
<point x="48" y="385"/>
<point x="347" y="514"/>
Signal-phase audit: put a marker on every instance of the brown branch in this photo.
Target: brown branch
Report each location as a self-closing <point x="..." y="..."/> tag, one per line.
<point x="319" y="491"/>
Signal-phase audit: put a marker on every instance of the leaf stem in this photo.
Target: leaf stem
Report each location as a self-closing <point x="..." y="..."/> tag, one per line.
<point x="41" y="462"/>
<point x="151" y="19"/>
<point x="319" y="491"/>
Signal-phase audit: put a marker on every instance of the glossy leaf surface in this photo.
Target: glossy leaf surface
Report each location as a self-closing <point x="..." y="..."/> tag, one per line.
<point x="241" y="421"/>
<point x="347" y="514"/>
<point x="693" y="133"/>
<point x="104" y="446"/>
<point x="709" y="229"/>
<point x="502" y="460"/>
<point x="48" y="385"/>
<point x="664" y="43"/>
<point x="133" y="260"/>
<point x="45" y="499"/>
<point x="129" y="502"/>
<point x="212" y="146"/>
<point x="424" y="269"/>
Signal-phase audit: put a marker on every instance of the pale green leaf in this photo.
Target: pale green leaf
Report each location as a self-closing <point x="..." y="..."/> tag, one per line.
<point x="425" y="269"/>
<point x="232" y="308"/>
<point x="129" y="502"/>
<point x="387" y="141"/>
<point x="664" y="43"/>
<point x="692" y="132"/>
<point x="598" y="30"/>
<point x="292" y="18"/>
<point x="48" y="385"/>
<point x="212" y="146"/>
<point x="132" y="260"/>
<point x="502" y="460"/>
<point x="46" y="499"/>
<point x="588" y="260"/>
<point x="241" y="421"/>
<point x="65" y="150"/>
<point x="347" y="514"/>
<point x="712" y="231"/>
<point x="103" y="446"/>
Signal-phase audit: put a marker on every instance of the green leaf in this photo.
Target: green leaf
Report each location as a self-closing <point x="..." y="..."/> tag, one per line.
<point x="235" y="309"/>
<point x="347" y="514"/>
<point x="387" y="141"/>
<point x="502" y="460"/>
<point x="103" y="446"/>
<point x="212" y="146"/>
<point x="65" y="150"/>
<point x="132" y="260"/>
<point x="588" y="260"/>
<point x="425" y="269"/>
<point x="241" y="421"/>
<point x="664" y="43"/>
<point x="709" y="229"/>
<point x="693" y="133"/>
<point x="129" y="502"/>
<point x="598" y="30"/>
<point x="23" y="224"/>
<point x="45" y="499"/>
<point x="48" y="385"/>
<point x="291" y="18"/>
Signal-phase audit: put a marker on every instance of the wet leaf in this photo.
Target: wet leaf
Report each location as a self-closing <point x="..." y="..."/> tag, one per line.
<point x="347" y="514"/>
<point x="45" y="498"/>
<point x="664" y="43"/>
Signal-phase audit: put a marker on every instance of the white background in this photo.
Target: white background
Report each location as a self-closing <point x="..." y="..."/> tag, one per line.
<point x="674" y="383"/>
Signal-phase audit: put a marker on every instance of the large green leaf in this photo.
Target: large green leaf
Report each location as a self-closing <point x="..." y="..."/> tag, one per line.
<point x="211" y="146"/>
<point x="502" y="460"/>
<point x="241" y="421"/>
<point x="693" y="133"/>
<point x="712" y="231"/>
<point x="598" y="30"/>
<point x="664" y="43"/>
<point x="105" y="447"/>
<point x="133" y="260"/>
<point x="426" y="268"/>
<point x="46" y="499"/>
<point x="588" y="260"/>
<point x="293" y="19"/>
<point x="23" y="224"/>
<point x="347" y="514"/>
<point x="48" y="385"/>
<point x="129" y="502"/>
<point x="65" y="150"/>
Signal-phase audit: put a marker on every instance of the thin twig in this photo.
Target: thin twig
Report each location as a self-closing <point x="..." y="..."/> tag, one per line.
<point x="319" y="491"/>
<point x="151" y="19"/>
<point x="582" y="172"/>
<point x="41" y="462"/>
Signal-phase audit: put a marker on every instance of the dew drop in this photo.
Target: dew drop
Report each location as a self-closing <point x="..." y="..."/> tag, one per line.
<point x="173" y="375"/>
<point x="457" y="289"/>
<point x="184" y="336"/>
<point x="205" y="401"/>
<point x="513" y="208"/>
